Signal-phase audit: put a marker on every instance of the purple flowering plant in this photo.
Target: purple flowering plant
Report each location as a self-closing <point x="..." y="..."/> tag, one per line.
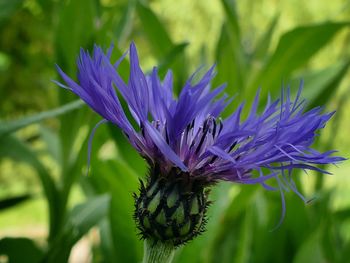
<point x="189" y="148"/>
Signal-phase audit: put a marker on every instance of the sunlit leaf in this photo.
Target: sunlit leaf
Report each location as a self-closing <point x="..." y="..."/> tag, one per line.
<point x="118" y="179"/>
<point x="86" y="215"/>
<point x="263" y="45"/>
<point x="162" y="45"/>
<point x="73" y="33"/>
<point x="232" y="18"/>
<point x="52" y="143"/>
<point x="230" y="54"/>
<point x="228" y="67"/>
<point x="167" y="61"/>
<point x="295" y="48"/>
<point x="78" y="222"/>
<point x="319" y="85"/>
<point x="12" y="126"/>
<point x="125" y="24"/>
<point x="154" y="31"/>
<point x="330" y="87"/>
<point x="13" y="148"/>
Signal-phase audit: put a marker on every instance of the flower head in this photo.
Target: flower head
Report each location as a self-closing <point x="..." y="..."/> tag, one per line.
<point x="189" y="147"/>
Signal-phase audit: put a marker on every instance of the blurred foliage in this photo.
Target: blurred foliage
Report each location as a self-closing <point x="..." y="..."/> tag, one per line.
<point x="253" y="44"/>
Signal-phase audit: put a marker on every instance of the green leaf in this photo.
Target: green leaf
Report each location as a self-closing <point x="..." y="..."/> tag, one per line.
<point x="155" y="31"/>
<point x="106" y="245"/>
<point x="7" y="8"/>
<point x="345" y="252"/>
<point x="227" y="63"/>
<point x="12" y="126"/>
<point x="230" y="55"/>
<point x="295" y="48"/>
<point x="320" y="85"/>
<point x="73" y="136"/>
<point x="330" y="87"/>
<point x="86" y="215"/>
<point x="342" y="214"/>
<point x="199" y="250"/>
<point x="233" y="31"/>
<point x="11" y="147"/>
<point x="20" y="250"/>
<point x="52" y="142"/>
<point x="13" y="201"/>
<point x="227" y="243"/>
<point x="79" y="221"/>
<point x="232" y="17"/>
<point x="245" y="238"/>
<point x="74" y="31"/>
<point x="240" y="202"/>
<point x="162" y="46"/>
<point x="125" y="23"/>
<point x="120" y="180"/>
<point x="331" y="235"/>
<point x="128" y="153"/>
<point x="263" y="45"/>
<point x="311" y="250"/>
<point x="169" y="59"/>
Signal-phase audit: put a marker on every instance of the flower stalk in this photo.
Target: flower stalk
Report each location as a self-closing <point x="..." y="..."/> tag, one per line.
<point x="158" y="252"/>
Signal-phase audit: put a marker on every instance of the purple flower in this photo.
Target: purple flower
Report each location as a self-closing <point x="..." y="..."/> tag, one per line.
<point x="186" y="134"/>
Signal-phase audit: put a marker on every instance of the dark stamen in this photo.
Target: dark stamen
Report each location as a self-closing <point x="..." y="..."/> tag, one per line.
<point x="232" y="146"/>
<point x="142" y="129"/>
<point x="214" y="128"/>
<point x="192" y="124"/>
<point x="166" y="135"/>
<point x="157" y="124"/>
<point x="213" y="159"/>
<point x="205" y="131"/>
<point x="221" y="126"/>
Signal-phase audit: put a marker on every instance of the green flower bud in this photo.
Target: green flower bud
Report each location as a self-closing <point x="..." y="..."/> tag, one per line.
<point x="171" y="208"/>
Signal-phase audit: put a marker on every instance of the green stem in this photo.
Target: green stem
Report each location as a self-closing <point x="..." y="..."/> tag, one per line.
<point x="157" y="252"/>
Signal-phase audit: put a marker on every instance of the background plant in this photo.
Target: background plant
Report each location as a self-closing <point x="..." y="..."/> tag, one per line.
<point x="43" y="155"/>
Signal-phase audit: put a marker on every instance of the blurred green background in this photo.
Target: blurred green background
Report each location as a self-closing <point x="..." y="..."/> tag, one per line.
<point x="51" y="212"/>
